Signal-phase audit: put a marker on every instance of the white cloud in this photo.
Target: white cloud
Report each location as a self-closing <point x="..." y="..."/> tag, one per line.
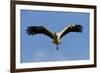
<point x="39" y="55"/>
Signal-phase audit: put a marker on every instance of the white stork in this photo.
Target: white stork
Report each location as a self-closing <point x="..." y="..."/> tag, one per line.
<point x="32" y="30"/>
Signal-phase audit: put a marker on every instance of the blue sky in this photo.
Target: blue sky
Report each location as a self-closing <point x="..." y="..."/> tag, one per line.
<point x="39" y="48"/>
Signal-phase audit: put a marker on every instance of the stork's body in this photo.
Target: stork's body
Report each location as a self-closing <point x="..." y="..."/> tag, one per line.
<point x="57" y="39"/>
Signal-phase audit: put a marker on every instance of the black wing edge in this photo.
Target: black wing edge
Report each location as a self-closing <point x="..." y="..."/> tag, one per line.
<point x="32" y="30"/>
<point x="76" y="28"/>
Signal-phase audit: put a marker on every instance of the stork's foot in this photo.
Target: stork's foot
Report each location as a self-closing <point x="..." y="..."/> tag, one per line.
<point x="57" y="47"/>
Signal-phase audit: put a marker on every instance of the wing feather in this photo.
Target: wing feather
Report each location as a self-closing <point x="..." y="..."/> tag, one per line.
<point x="32" y="30"/>
<point x="71" y="28"/>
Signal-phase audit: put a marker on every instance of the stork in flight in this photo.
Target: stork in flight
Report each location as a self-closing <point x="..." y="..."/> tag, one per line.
<point x="32" y="30"/>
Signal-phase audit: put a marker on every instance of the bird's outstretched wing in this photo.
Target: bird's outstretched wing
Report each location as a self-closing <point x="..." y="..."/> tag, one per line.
<point x="32" y="30"/>
<point x="71" y="28"/>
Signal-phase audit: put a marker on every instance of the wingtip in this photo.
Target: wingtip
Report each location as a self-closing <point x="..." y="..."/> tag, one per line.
<point x="29" y="30"/>
<point x="80" y="28"/>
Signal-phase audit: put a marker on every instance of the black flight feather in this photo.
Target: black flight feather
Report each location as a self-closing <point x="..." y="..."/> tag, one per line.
<point x="32" y="30"/>
<point x="76" y="28"/>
